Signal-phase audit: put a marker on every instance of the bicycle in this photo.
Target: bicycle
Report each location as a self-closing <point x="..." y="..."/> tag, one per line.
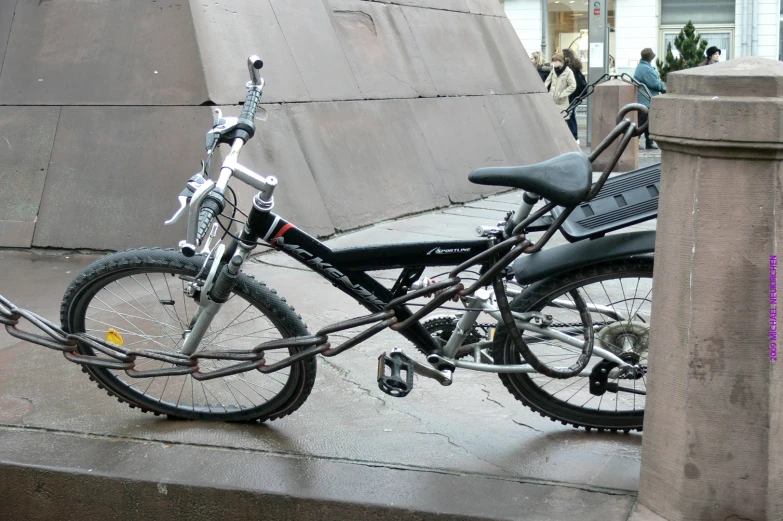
<point x="204" y="355"/>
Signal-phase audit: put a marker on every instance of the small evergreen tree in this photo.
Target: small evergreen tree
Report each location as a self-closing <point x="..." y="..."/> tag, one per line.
<point x="691" y="48"/>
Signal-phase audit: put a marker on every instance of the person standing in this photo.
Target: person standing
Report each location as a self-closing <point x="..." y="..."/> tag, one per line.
<point x="573" y="62"/>
<point x="560" y="83"/>
<point x="713" y="56"/>
<point x="538" y="63"/>
<point x="647" y="75"/>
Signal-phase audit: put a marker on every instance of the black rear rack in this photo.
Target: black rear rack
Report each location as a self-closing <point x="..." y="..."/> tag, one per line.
<point x="623" y="201"/>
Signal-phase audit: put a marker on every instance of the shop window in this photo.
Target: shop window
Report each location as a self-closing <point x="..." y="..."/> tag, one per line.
<point x="678" y="12"/>
<point x="567" y="27"/>
<point x="720" y="39"/>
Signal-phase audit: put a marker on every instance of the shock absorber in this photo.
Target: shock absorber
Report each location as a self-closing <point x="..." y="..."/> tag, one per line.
<point x="226" y="280"/>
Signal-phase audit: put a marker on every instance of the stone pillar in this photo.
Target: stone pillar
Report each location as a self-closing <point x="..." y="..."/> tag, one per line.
<point x="608" y="99"/>
<point x="713" y="443"/>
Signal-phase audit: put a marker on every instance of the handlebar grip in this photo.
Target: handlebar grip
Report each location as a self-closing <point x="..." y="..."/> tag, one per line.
<point x="204" y="219"/>
<point x="250" y="107"/>
<point x="246" y="125"/>
<point x="209" y="210"/>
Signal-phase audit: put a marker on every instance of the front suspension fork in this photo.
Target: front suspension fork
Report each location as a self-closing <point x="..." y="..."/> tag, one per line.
<point x="211" y="303"/>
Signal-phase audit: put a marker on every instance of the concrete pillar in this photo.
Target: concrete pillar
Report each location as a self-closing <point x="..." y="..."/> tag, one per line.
<point x="608" y="99"/>
<point x="713" y="443"/>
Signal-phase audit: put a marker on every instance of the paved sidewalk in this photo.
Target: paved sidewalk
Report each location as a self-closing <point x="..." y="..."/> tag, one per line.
<point x="469" y="451"/>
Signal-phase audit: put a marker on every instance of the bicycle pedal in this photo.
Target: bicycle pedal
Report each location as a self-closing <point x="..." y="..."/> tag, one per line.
<point x="392" y="381"/>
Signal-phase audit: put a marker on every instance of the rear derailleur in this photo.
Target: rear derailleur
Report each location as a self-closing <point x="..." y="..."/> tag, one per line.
<point x="599" y="377"/>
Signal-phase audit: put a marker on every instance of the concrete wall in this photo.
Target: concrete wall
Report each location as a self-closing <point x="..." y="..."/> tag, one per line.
<point x="376" y="109"/>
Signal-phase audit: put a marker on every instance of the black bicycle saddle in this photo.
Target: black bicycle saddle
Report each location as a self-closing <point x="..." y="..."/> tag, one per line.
<point x="564" y="180"/>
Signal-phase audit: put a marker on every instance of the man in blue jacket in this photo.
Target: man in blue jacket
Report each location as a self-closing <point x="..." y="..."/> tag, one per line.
<point x="647" y="75"/>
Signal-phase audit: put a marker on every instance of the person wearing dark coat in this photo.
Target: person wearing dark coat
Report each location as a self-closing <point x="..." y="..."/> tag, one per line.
<point x="713" y="56"/>
<point x="575" y="64"/>
<point x="542" y="68"/>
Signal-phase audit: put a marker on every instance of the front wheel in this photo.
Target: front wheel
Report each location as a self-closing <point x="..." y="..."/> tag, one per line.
<point x="139" y="299"/>
<point x="618" y="295"/>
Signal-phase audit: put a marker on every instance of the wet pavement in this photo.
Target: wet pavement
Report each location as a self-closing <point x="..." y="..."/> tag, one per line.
<point x="467" y="450"/>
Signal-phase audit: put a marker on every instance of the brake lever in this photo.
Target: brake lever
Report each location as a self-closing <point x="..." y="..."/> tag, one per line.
<point x="184" y="197"/>
<point x="183" y="205"/>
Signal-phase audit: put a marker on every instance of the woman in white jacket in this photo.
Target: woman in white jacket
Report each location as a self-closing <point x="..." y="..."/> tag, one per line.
<point x="560" y="83"/>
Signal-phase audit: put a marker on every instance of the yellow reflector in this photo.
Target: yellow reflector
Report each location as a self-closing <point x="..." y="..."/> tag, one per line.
<point x="114" y="337"/>
<point x="492" y="334"/>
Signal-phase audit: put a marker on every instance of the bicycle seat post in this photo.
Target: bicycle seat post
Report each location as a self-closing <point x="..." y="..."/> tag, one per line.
<point x="529" y="200"/>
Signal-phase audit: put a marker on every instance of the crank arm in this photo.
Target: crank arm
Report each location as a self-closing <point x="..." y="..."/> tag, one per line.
<point x="425" y="370"/>
<point x="431" y="372"/>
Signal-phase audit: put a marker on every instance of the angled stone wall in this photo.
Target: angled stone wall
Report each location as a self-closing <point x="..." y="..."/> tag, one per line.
<point x="376" y="110"/>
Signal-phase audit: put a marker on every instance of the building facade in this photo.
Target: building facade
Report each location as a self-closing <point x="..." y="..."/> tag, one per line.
<point x="636" y="24"/>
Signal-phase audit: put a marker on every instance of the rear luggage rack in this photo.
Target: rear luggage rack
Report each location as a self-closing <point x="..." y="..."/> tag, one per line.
<point x="624" y="200"/>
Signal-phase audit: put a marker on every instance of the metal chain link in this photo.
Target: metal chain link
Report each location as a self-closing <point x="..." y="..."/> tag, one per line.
<point x="589" y="89"/>
<point x="120" y="358"/>
<point x="123" y="359"/>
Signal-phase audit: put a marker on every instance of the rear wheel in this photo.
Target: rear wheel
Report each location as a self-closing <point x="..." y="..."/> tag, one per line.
<point x="619" y="296"/>
<point x="138" y="298"/>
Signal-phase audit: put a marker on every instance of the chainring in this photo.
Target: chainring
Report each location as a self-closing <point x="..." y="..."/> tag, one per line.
<point x="441" y="329"/>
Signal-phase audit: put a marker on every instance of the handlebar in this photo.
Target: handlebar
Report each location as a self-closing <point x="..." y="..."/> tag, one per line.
<point x="210" y="202"/>
<point x="254" y="66"/>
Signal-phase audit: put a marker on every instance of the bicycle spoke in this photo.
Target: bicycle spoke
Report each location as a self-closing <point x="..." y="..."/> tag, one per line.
<point x="184" y="382"/>
<point x="631" y="298"/>
<point x="235" y="318"/>
<point x="165" y="383"/>
<point x="136" y="317"/>
<point x="157" y="297"/>
<point x="152" y="312"/>
<point x="213" y="395"/>
<point x="134" y="298"/>
<point x="133" y="325"/>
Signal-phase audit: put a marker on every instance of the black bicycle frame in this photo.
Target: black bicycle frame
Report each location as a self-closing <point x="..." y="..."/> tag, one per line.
<point x="347" y="268"/>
